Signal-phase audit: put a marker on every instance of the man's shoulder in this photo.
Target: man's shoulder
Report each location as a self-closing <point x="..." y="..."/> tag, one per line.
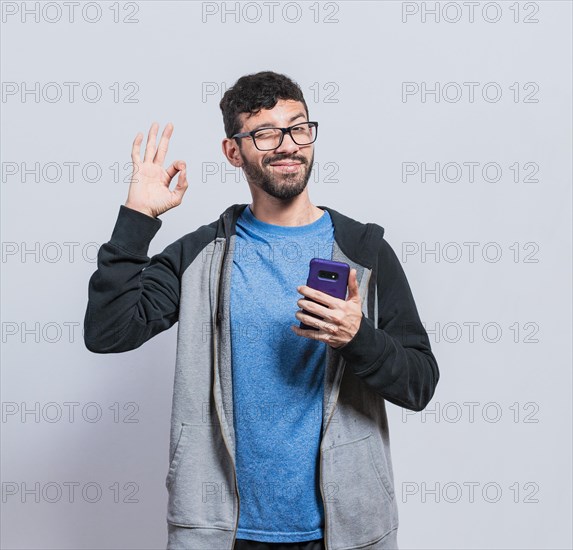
<point x="210" y="231"/>
<point x="357" y="239"/>
<point x="347" y="222"/>
<point x="204" y="232"/>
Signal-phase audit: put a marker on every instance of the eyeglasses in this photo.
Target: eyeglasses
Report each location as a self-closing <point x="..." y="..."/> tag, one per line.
<point x="267" y="139"/>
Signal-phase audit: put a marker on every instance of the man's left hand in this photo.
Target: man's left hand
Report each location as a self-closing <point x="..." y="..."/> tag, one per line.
<point x="340" y="318"/>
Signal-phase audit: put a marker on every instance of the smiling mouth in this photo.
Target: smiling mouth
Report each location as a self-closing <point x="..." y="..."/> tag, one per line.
<point x="291" y="167"/>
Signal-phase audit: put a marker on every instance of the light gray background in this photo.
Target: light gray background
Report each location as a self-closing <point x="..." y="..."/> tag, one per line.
<point x="522" y="463"/>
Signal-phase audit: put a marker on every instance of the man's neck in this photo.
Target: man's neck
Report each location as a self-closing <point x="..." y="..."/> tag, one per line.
<point x="294" y="213"/>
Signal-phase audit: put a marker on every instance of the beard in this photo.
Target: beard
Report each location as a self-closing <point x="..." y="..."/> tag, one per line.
<point x="282" y="186"/>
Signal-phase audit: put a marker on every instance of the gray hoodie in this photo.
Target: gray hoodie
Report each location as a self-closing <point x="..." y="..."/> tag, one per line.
<point x="133" y="297"/>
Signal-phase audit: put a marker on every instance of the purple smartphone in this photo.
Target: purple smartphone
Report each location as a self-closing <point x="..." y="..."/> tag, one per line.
<point x="329" y="277"/>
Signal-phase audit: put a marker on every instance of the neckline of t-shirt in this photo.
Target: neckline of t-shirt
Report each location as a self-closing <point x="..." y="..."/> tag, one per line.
<point x="286" y="230"/>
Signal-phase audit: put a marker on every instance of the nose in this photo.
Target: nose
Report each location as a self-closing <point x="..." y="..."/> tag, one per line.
<point x="288" y="145"/>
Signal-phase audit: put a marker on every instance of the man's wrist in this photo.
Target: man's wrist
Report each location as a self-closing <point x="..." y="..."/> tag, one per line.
<point x="142" y="210"/>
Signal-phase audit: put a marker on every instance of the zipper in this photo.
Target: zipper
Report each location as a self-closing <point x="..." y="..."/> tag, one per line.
<point x="215" y="356"/>
<point x="320" y="461"/>
<point x="219" y="314"/>
<point x="237" y="493"/>
<point x="323" y="502"/>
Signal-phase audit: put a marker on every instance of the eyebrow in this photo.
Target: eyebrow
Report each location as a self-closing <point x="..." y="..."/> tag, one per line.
<point x="269" y="124"/>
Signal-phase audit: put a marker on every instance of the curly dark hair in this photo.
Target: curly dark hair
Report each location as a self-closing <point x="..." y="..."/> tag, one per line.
<point x="254" y="92"/>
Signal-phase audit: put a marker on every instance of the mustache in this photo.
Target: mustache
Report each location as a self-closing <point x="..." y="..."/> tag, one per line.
<point x="302" y="160"/>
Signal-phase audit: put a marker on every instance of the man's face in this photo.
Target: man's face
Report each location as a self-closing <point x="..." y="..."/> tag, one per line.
<point x="283" y="172"/>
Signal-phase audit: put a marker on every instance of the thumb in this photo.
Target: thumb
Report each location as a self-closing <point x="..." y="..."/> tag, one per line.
<point x="352" y="285"/>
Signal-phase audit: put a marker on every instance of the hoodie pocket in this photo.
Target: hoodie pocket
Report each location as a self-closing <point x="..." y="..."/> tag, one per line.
<point x="379" y="464"/>
<point x="360" y="504"/>
<point x="200" y="481"/>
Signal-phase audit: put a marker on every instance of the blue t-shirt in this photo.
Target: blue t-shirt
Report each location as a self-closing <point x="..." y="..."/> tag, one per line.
<point x="278" y="380"/>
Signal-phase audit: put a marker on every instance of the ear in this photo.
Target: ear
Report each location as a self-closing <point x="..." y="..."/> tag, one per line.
<point x="231" y="152"/>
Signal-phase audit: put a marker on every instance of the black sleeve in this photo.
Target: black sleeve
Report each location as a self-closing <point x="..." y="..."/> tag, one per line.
<point x="131" y="297"/>
<point x="394" y="359"/>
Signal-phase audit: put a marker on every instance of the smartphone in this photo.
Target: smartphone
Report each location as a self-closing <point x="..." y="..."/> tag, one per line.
<point x="329" y="277"/>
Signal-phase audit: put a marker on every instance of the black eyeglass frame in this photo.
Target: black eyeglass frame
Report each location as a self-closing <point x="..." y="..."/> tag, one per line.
<point x="284" y="131"/>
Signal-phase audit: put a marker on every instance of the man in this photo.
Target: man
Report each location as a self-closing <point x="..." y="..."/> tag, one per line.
<point x="279" y="435"/>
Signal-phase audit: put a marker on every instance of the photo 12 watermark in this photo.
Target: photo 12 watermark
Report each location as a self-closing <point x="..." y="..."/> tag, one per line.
<point x="470" y="12"/>
<point x="270" y="12"/>
<point x="71" y="12"/>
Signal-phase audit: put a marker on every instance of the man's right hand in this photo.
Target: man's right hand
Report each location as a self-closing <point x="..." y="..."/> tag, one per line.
<point x="149" y="187"/>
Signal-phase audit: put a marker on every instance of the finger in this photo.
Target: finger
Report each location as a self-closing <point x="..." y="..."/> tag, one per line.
<point x="136" y="148"/>
<point x="321" y="324"/>
<point x="301" y="331"/>
<point x="163" y="144"/>
<point x="317" y="295"/>
<point x="325" y="327"/>
<point x="150" y="148"/>
<point x="175" y="167"/>
<point x="313" y="307"/>
<point x="182" y="185"/>
<point x="306" y="332"/>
